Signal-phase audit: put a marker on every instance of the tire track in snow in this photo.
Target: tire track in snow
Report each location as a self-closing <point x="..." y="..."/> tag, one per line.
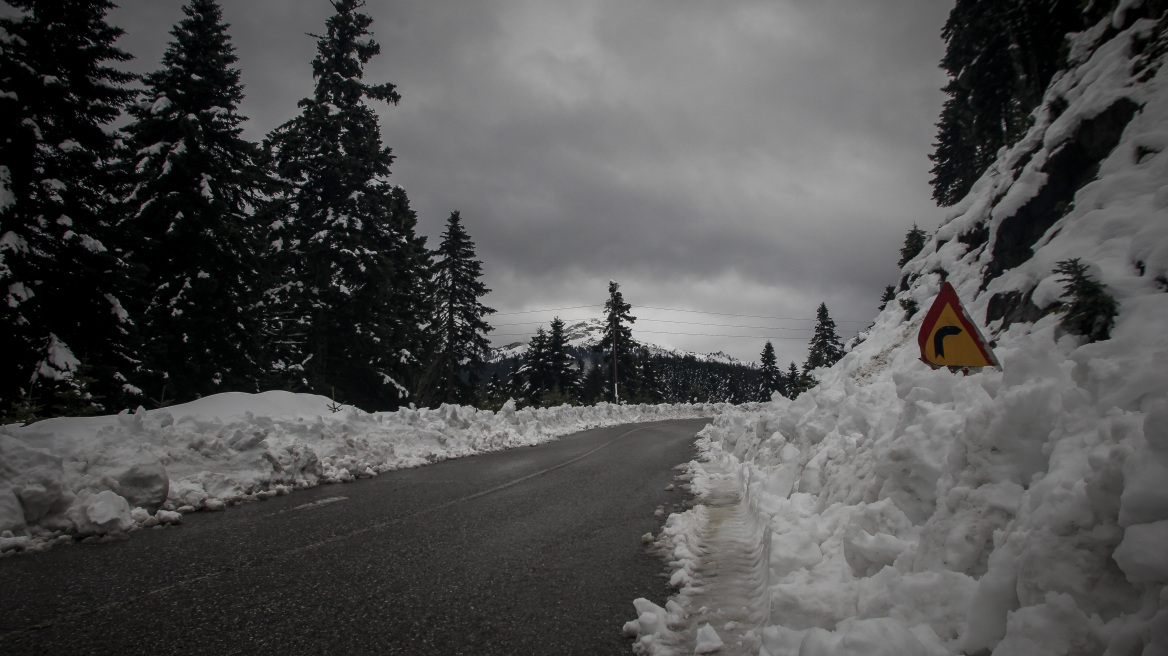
<point x="729" y="586"/>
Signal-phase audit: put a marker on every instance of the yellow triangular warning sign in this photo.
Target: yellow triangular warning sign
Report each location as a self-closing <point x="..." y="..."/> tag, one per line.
<point x="948" y="338"/>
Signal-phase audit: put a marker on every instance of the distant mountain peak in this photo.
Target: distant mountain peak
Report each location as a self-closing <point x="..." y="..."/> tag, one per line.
<point x="589" y="332"/>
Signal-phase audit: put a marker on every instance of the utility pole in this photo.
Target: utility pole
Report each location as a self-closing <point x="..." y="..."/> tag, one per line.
<point x="615" y="389"/>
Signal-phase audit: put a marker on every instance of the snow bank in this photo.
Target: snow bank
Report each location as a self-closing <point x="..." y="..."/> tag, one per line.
<point x="95" y="476"/>
<point x="1018" y="512"/>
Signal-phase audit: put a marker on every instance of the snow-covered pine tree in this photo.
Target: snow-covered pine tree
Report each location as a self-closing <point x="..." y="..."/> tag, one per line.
<point x="330" y="232"/>
<point x="197" y="183"/>
<point x="770" y="378"/>
<point x="616" y="345"/>
<point x="562" y="375"/>
<point x="796" y="382"/>
<point x="647" y="379"/>
<point x="1089" y="310"/>
<point x="825" y="349"/>
<point x="459" y="327"/>
<point x="592" y="385"/>
<point x="515" y="380"/>
<point x="536" y="368"/>
<point x="405" y="299"/>
<point x="60" y="269"/>
<point x="914" y="241"/>
<point x="495" y="393"/>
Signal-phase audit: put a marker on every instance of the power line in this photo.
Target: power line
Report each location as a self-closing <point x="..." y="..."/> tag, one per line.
<point x="532" y="323"/>
<point x="661" y="332"/>
<point x="720" y="325"/>
<point x="654" y="307"/>
<point x="574" y="307"/>
<point x="750" y="316"/>
<point x="643" y="320"/>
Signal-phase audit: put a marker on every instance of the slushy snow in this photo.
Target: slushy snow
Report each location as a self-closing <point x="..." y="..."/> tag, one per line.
<point x="76" y="478"/>
<point x="1019" y="512"/>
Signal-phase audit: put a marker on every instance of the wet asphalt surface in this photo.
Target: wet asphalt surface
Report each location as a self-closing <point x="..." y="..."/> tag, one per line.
<point x="536" y="550"/>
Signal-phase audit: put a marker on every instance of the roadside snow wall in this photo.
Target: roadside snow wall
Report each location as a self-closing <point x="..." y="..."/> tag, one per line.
<point x="74" y="478"/>
<point x="1019" y="512"/>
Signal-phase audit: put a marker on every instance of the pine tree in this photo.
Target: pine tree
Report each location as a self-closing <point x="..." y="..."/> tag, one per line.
<point x="196" y="186"/>
<point x="562" y="377"/>
<point x="914" y="242"/>
<point x="60" y="267"/>
<point x="459" y="327"/>
<point x="646" y="383"/>
<point x="515" y="380"/>
<point x="1090" y="310"/>
<point x="825" y="349"/>
<point x="796" y="382"/>
<point x="332" y="233"/>
<point x="404" y="295"/>
<point x="769" y="376"/>
<point x="535" y="369"/>
<point x="888" y="295"/>
<point x="617" y="345"/>
<point x="592" y="387"/>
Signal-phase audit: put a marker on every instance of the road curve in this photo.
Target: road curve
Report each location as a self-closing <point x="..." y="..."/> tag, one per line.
<point x="529" y="551"/>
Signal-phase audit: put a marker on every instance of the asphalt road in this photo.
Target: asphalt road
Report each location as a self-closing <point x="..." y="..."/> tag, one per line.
<point x="535" y="550"/>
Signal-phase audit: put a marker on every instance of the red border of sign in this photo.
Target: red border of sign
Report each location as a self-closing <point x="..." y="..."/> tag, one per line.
<point x="948" y="296"/>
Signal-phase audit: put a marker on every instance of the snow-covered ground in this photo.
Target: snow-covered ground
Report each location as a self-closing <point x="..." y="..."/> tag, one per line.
<point x="896" y="510"/>
<point x="80" y="478"/>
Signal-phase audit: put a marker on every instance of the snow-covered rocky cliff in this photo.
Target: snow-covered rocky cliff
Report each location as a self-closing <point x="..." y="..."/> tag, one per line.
<point x="899" y="510"/>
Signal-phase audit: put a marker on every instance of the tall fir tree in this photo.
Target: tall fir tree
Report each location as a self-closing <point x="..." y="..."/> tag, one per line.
<point x="535" y="369"/>
<point x="60" y="268"/>
<point x="197" y="183"/>
<point x="332" y="236"/>
<point x="404" y="296"/>
<point x="561" y="372"/>
<point x="616" y="345"/>
<point x="770" y="378"/>
<point x="459" y="326"/>
<point x="825" y="349"/>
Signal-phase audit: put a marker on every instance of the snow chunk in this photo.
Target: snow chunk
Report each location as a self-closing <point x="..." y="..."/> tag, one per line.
<point x="59" y="361"/>
<point x="100" y="513"/>
<point x="1142" y="554"/>
<point x="708" y="641"/>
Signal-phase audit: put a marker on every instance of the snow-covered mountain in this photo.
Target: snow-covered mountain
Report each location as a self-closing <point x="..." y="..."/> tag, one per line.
<point x="896" y="509"/>
<point x="583" y="335"/>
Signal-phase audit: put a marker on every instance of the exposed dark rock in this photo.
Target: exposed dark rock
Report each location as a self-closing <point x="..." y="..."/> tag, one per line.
<point x="1069" y="168"/>
<point x="1013" y="307"/>
<point x="975" y="236"/>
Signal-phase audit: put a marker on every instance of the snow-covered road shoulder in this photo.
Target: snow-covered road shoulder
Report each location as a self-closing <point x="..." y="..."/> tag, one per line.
<point x="78" y="478"/>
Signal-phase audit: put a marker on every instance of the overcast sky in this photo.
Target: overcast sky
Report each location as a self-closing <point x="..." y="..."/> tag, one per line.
<point x="748" y="157"/>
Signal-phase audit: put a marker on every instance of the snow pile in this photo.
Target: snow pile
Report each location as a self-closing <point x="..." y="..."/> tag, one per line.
<point x="86" y="477"/>
<point x="1013" y="512"/>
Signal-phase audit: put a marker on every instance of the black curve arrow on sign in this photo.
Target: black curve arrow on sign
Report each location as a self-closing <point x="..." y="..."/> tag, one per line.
<point x="939" y="339"/>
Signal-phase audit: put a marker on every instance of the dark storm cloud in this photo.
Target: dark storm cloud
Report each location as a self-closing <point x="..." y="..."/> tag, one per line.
<point x="736" y="156"/>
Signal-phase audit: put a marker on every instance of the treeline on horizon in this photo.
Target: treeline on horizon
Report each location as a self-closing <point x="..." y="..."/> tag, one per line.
<point x="619" y="369"/>
<point x="173" y="259"/>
